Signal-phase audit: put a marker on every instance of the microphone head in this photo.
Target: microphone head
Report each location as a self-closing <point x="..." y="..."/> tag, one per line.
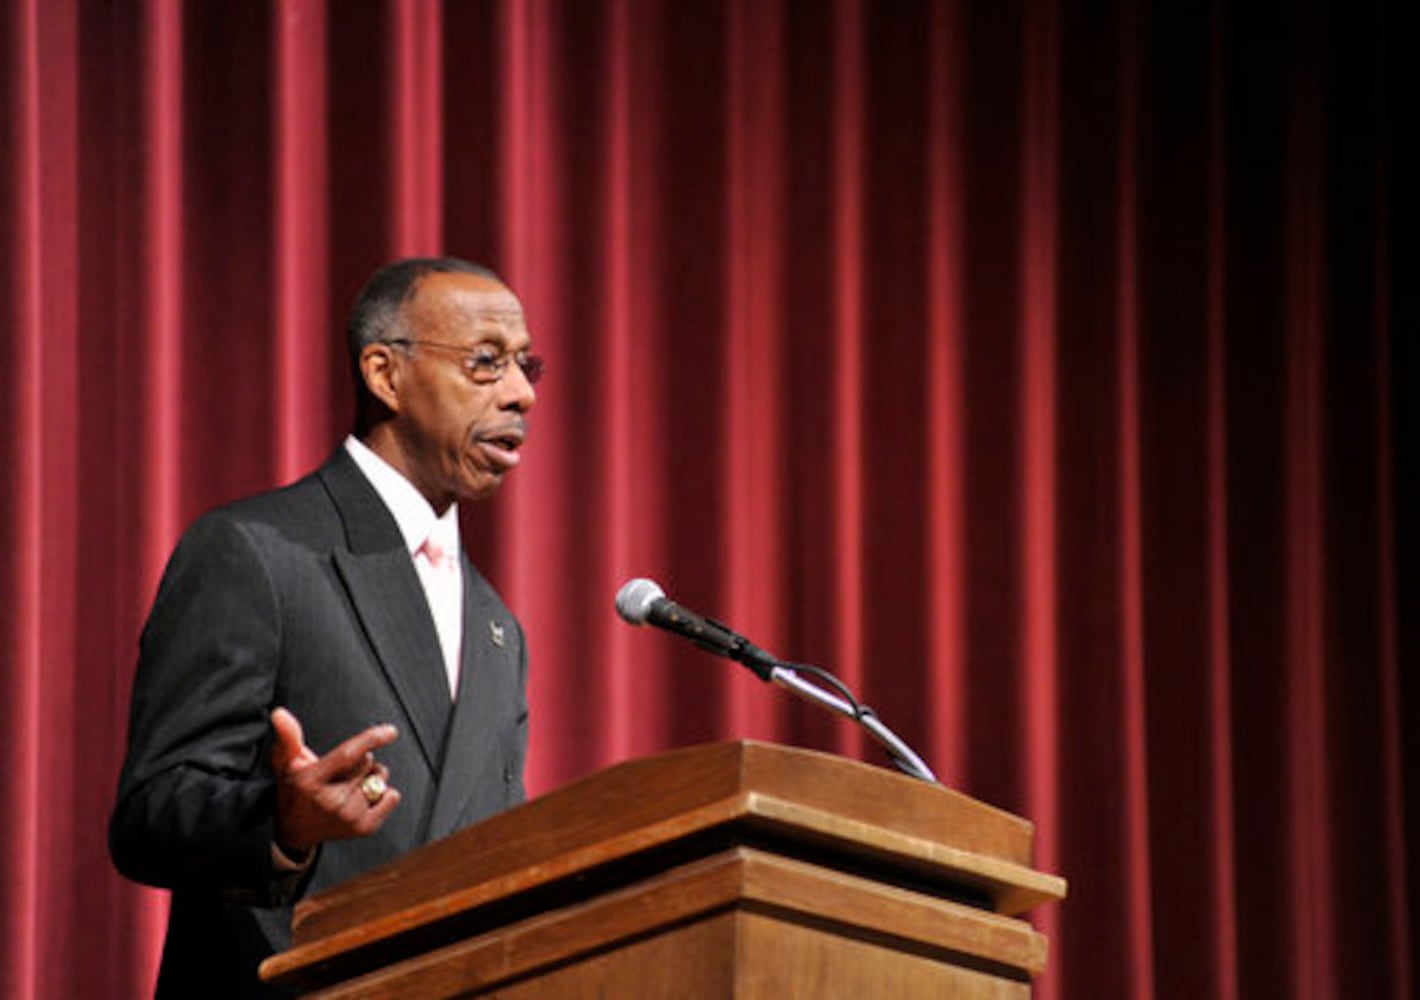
<point x="635" y="598"/>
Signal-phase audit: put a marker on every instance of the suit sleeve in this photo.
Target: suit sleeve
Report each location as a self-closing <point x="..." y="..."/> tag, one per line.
<point x="196" y="797"/>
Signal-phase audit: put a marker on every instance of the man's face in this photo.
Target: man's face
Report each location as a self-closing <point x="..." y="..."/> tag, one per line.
<point x="457" y="436"/>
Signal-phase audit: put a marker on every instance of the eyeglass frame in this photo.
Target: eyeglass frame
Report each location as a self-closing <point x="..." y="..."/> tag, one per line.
<point x="533" y="366"/>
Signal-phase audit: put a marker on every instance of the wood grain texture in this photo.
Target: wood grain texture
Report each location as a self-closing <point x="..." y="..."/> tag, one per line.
<point x="639" y="826"/>
<point x="742" y="924"/>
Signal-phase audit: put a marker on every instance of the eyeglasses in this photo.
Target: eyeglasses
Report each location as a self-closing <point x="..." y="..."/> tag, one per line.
<point x="483" y="364"/>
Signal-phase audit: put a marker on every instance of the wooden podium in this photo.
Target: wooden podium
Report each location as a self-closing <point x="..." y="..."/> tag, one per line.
<point x="730" y="870"/>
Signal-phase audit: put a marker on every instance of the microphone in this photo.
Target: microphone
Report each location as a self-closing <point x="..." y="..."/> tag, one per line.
<point x="641" y="601"/>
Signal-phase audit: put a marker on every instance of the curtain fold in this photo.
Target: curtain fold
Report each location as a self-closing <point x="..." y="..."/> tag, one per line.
<point x="299" y="282"/>
<point x="1039" y="367"/>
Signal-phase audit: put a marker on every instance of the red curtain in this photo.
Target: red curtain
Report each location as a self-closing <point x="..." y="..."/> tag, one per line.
<point x="1038" y="366"/>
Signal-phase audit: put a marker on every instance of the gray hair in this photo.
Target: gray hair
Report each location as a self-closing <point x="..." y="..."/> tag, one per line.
<point x="378" y="316"/>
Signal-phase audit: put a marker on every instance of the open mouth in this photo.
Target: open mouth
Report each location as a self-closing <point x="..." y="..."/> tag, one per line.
<point x="507" y="442"/>
<point x="501" y="447"/>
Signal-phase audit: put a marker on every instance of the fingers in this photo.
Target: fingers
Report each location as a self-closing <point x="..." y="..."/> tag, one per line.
<point x="320" y="797"/>
<point x="288" y="749"/>
<point x="361" y="802"/>
<point x="306" y="815"/>
<point x="354" y="758"/>
<point x="379" y="771"/>
<point x="289" y="734"/>
<point x="376" y="814"/>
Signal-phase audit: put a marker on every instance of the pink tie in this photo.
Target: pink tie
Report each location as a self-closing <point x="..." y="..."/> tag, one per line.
<point x="443" y="585"/>
<point x="439" y="557"/>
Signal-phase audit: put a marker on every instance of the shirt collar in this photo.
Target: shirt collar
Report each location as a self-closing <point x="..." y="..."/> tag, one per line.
<point x="414" y="514"/>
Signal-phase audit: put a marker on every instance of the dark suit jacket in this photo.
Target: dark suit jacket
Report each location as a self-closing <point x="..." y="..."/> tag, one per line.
<point x="305" y="597"/>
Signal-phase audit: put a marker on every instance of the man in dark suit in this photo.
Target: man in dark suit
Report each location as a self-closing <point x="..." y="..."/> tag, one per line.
<point x="320" y="688"/>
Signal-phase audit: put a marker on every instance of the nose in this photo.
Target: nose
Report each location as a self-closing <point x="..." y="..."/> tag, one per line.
<point x="517" y="392"/>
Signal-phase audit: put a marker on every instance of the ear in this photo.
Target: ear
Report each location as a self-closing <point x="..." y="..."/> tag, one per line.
<point x="380" y="368"/>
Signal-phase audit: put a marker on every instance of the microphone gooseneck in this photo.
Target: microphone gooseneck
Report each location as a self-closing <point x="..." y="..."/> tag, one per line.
<point x="643" y="602"/>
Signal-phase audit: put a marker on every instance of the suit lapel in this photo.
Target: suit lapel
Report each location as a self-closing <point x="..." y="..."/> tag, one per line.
<point x="392" y="609"/>
<point x="487" y="681"/>
<point x="389" y="600"/>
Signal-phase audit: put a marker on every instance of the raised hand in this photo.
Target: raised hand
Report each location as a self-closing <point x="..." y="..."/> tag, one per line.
<point x="321" y="798"/>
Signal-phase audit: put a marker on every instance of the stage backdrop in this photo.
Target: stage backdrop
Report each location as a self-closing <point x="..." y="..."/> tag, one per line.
<point x="1037" y="366"/>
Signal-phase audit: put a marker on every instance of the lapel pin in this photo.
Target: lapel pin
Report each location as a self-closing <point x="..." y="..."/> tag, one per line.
<point x="495" y="632"/>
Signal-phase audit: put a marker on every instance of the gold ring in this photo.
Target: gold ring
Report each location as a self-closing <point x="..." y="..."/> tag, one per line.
<point x="373" y="788"/>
